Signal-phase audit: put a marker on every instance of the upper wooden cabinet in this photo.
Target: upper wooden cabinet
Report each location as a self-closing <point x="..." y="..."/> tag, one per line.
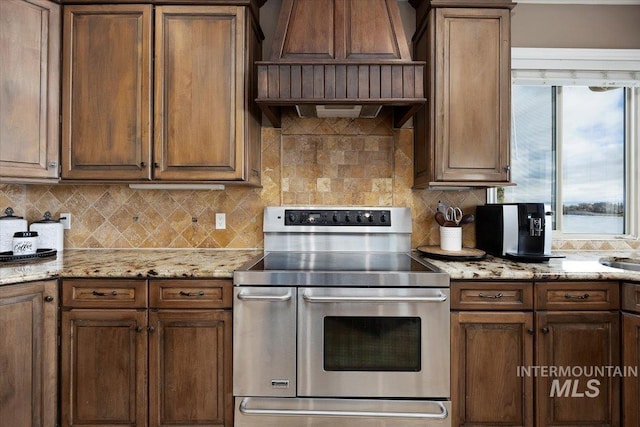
<point x="462" y="135"/>
<point x="29" y="90"/>
<point x="205" y="123"/>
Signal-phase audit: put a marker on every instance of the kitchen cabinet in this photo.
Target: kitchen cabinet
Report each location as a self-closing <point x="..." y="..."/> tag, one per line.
<point x="462" y="135"/>
<point x="204" y="124"/>
<point x="29" y="90"/>
<point x="631" y="354"/>
<point x="491" y="338"/>
<point x="501" y="330"/>
<point x="28" y="354"/>
<point x="137" y="347"/>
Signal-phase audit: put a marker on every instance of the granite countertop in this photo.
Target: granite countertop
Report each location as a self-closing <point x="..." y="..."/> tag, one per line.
<point x="576" y="265"/>
<point x="221" y="263"/>
<point x="130" y="263"/>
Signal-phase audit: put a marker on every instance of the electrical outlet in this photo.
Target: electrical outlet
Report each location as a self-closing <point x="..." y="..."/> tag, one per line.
<point x="221" y="221"/>
<point x="65" y="219"/>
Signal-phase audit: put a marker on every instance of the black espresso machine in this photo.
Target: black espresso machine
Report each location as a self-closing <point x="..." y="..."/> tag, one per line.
<point x="519" y="231"/>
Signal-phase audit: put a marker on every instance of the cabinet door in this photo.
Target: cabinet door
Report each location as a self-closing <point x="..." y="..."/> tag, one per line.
<point x="29" y="88"/>
<point x="462" y="134"/>
<point x="488" y="349"/>
<point x="582" y="342"/>
<point x="106" y="84"/>
<point x="103" y="368"/>
<point x="199" y="89"/>
<point x="631" y="359"/>
<point x="28" y="354"/>
<point x="190" y="368"/>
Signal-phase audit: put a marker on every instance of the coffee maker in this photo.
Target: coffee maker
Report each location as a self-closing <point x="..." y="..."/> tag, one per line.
<point x="520" y="231"/>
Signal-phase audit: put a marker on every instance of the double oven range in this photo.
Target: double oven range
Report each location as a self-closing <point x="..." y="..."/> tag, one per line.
<point x="338" y="324"/>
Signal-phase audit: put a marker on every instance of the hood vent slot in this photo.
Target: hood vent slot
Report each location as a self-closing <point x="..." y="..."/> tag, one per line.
<point x="340" y="58"/>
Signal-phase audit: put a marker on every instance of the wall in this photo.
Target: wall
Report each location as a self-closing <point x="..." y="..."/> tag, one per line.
<point x="576" y="26"/>
<point x="308" y="161"/>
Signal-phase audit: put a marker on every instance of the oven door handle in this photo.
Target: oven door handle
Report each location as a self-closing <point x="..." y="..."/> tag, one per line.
<point x="372" y="299"/>
<point x="244" y="409"/>
<point x="249" y="297"/>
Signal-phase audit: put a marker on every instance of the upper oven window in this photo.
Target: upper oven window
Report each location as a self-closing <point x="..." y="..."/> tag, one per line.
<point x="372" y="344"/>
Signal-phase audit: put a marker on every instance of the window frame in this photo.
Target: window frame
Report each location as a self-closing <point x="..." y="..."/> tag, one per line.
<point x="593" y="67"/>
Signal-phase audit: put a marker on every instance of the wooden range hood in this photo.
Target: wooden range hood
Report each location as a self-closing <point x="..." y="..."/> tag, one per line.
<point x="340" y="58"/>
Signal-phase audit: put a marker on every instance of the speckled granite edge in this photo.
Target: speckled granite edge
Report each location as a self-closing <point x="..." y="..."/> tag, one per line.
<point x="221" y="263"/>
<point x="135" y="263"/>
<point x="576" y="265"/>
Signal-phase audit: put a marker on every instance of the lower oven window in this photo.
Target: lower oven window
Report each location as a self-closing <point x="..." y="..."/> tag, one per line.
<point x="372" y="344"/>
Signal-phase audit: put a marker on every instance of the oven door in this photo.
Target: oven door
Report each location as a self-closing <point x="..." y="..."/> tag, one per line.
<point x="373" y="342"/>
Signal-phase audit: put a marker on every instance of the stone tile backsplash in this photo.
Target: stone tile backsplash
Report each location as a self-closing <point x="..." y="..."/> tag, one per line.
<point x="306" y="162"/>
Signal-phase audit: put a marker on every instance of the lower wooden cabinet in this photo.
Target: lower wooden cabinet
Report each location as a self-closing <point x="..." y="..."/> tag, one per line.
<point x="189" y="368"/>
<point x="28" y="354"/>
<point x="631" y="354"/>
<point x="153" y="362"/>
<point x="584" y="341"/>
<point x="504" y="346"/>
<point x="488" y="348"/>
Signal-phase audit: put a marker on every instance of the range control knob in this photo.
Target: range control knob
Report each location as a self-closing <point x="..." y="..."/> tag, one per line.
<point x="359" y="218"/>
<point x="370" y="217"/>
<point x="383" y="218"/>
<point x="292" y="218"/>
<point x="347" y="218"/>
<point x="335" y="218"/>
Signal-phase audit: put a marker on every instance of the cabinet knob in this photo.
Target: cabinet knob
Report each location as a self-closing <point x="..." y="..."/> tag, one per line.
<point x="139" y="328"/>
<point x="48" y="298"/>
<point x="151" y="329"/>
<point x="156" y="164"/>
<point x="507" y="168"/>
<point x="53" y="165"/>
<point x="531" y="331"/>
<point x="143" y="164"/>
<point x="545" y="330"/>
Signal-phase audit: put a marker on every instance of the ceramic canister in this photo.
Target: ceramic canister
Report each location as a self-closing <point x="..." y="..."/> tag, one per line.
<point x="50" y="233"/>
<point x="25" y="243"/>
<point x="9" y="225"/>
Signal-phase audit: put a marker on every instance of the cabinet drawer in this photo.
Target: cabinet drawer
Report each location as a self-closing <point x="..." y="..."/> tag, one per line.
<point x="631" y="297"/>
<point x="104" y="293"/>
<point x="491" y="296"/>
<point x="577" y="296"/>
<point x="191" y="293"/>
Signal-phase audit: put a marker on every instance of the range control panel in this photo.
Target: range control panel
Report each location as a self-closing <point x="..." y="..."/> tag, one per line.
<point x="332" y="217"/>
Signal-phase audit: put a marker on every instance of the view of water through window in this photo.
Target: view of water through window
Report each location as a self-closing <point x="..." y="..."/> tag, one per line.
<point x="568" y="148"/>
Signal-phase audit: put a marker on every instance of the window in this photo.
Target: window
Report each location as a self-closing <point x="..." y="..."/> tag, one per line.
<point x="574" y="142"/>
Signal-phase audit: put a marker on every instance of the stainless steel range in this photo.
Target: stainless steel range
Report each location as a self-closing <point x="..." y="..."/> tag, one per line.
<point x="340" y="325"/>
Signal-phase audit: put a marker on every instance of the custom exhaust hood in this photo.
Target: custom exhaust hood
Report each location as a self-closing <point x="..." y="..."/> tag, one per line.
<point x="340" y="58"/>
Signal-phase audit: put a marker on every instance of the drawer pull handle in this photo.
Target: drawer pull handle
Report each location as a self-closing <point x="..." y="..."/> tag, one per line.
<point x="192" y="294"/>
<point x="104" y="294"/>
<point x="585" y="296"/>
<point x="496" y="296"/>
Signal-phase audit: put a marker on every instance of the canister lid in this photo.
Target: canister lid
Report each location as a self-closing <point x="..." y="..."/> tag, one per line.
<point x="25" y="234"/>
<point x="47" y="219"/>
<point x="9" y="214"/>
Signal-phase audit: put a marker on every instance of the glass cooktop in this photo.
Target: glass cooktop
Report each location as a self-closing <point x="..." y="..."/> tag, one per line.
<point x="340" y="261"/>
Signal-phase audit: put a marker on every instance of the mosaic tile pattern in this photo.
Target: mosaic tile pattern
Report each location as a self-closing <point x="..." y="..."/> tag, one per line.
<point x="363" y="162"/>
